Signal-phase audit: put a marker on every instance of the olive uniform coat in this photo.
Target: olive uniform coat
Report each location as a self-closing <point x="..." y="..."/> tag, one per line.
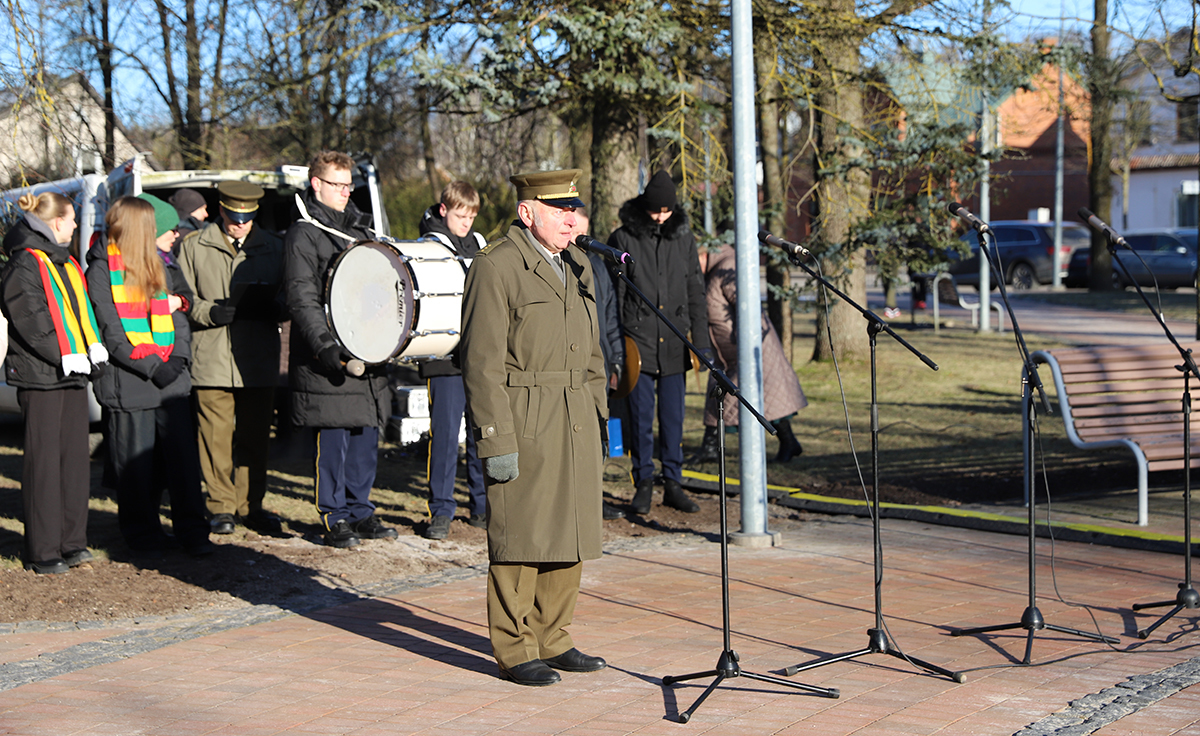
<point x="534" y="379"/>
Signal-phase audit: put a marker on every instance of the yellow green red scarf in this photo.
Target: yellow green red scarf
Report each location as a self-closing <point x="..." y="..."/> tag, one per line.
<point x="150" y="331"/>
<point x="76" y="337"/>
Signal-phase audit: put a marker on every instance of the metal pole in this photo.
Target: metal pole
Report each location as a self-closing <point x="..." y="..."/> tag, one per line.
<point x="749" y="303"/>
<point x="1059" y="164"/>
<point x="985" y="196"/>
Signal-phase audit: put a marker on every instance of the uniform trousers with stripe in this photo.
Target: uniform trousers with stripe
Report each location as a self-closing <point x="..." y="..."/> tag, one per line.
<point x="345" y="459"/>
<point x="447" y="405"/>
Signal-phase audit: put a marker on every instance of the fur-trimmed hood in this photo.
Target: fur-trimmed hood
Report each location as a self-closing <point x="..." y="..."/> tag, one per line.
<point x="637" y="221"/>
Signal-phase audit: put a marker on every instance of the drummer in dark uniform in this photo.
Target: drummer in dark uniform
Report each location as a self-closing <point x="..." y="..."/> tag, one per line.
<point x="347" y="411"/>
<point x="534" y="378"/>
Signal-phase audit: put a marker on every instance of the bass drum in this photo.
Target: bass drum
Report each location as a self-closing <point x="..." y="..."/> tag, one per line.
<point x="396" y="299"/>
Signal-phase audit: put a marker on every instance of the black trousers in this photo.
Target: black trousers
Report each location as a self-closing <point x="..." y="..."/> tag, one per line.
<point x="55" y="482"/>
<point x="166" y="437"/>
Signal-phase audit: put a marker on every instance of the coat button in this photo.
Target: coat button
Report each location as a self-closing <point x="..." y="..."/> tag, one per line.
<point x="574" y="346"/>
<point x="660" y="339"/>
<point x="490" y="431"/>
<point x="576" y="427"/>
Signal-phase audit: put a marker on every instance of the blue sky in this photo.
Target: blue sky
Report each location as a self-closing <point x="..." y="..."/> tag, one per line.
<point x="1040" y="17"/>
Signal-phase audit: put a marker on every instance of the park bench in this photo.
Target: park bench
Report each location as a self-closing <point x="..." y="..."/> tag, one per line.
<point x="1124" y="397"/>
<point x="945" y="291"/>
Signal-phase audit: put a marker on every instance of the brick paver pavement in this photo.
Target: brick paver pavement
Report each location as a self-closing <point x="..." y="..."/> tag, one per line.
<point x="419" y="661"/>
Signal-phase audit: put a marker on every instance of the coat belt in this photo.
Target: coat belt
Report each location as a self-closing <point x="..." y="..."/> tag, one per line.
<point x="572" y="378"/>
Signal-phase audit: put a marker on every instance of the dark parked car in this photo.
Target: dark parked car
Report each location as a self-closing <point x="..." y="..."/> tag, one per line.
<point x="1026" y="251"/>
<point x="1169" y="252"/>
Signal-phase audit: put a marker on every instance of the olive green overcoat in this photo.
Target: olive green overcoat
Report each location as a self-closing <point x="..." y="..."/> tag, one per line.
<point x="534" y="379"/>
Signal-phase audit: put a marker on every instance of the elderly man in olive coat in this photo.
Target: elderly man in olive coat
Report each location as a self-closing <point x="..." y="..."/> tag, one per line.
<point x="534" y="378"/>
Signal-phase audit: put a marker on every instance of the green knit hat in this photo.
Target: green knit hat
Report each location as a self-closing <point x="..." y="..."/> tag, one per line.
<point x="166" y="218"/>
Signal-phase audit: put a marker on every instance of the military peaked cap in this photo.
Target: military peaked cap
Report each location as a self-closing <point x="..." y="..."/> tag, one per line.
<point x="239" y="199"/>
<point x="555" y="188"/>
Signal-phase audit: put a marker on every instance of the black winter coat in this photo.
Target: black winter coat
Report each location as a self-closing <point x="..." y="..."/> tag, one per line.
<point x="666" y="267"/>
<point x="126" y="385"/>
<point x="612" y="339"/>
<point x="318" y="398"/>
<point x="34" y="360"/>
<point x="433" y="224"/>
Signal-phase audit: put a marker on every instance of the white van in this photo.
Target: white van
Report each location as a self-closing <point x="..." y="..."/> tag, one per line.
<point x="91" y="194"/>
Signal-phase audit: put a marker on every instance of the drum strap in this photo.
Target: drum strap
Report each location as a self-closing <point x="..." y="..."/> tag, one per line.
<point x="309" y="219"/>
<point x="572" y="378"/>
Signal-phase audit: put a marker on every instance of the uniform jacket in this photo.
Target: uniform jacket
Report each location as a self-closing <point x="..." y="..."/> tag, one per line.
<point x="433" y="224"/>
<point x="246" y="351"/>
<point x="34" y="359"/>
<point x="320" y="399"/>
<point x="125" y="385"/>
<point x="782" y="395"/>
<point x="534" y="379"/>
<point x="666" y="267"/>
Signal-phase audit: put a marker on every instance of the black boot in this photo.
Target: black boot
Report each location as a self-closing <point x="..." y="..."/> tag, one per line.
<point x="789" y="446"/>
<point x="674" y="496"/>
<point x="641" y="499"/>
<point x="709" y="448"/>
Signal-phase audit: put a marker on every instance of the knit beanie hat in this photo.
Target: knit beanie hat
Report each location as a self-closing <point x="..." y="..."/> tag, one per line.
<point x="660" y="193"/>
<point x="165" y="216"/>
<point x="187" y="201"/>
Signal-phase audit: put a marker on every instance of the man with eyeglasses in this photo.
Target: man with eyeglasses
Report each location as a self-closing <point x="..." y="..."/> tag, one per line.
<point x="346" y="411"/>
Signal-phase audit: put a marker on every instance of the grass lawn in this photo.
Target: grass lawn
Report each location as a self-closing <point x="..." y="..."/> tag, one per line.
<point x="946" y="436"/>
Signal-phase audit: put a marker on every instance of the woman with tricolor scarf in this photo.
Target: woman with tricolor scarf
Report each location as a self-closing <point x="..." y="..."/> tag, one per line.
<point x="146" y="392"/>
<point x="54" y="345"/>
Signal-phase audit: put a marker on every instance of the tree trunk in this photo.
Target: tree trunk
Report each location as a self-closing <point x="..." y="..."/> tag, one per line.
<point x="779" y="276"/>
<point x="842" y="199"/>
<point x="194" y="154"/>
<point x="614" y="165"/>
<point x="579" y="124"/>
<point x="104" y="58"/>
<point x="1102" y="86"/>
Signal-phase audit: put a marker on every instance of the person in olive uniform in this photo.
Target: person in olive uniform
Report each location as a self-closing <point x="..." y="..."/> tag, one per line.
<point x="235" y="270"/>
<point x="534" y="378"/>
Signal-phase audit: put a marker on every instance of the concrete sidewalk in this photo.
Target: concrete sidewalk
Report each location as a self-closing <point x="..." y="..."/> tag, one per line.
<point x="418" y="660"/>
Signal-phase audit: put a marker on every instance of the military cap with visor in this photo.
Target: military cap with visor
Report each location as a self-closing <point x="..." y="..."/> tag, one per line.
<point x="239" y="200"/>
<point x="555" y="188"/>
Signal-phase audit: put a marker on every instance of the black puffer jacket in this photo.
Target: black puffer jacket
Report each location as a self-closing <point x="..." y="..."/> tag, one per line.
<point x="666" y="268"/>
<point x="34" y="359"/>
<point x="433" y="224"/>
<point x="320" y="399"/>
<point x="126" y="384"/>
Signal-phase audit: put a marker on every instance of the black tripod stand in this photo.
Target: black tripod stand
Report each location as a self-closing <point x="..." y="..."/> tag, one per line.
<point x="1187" y="597"/>
<point x="877" y="638"/>
<point x="1031" y="619"/>
<point x="727" y="664"/>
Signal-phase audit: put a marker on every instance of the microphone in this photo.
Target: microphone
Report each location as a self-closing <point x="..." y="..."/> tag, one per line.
<point x="591" y="245"/>
<point x="960" y="211"/>
<point x="794" y="249"/>
<point x="1101" y="226"/>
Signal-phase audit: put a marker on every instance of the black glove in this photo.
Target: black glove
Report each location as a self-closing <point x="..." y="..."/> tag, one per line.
<point x="98" y="370"/>
<point x="168" y="372"/>
<point x="709" y="355"/>
<point x="332" y="360"/>
<point x="222" y="312"/>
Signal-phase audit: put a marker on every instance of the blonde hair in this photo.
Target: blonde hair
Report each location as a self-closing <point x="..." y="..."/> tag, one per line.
<point x="46" y="206"/>
<point x="460" y="195"/>
<point x="325" y="160"/>
<point x="130" y="223"/>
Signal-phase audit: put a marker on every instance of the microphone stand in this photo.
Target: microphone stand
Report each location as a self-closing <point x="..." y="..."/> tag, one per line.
<point x="727" y="664"/>
<point x="1031" y="619"/>
<point x="877" y="638"/>
<point x="1187" y="597"/>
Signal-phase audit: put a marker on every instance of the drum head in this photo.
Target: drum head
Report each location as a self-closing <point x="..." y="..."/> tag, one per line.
<point x="369" y="301"/>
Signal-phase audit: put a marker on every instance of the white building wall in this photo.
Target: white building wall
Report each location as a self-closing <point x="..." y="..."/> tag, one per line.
<point x="1153" y="198"/>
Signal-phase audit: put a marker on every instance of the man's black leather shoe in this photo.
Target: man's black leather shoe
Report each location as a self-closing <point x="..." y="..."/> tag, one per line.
<point x="57" y="566"/>
<point x="222" y="524"/>
<point x="611" y="512"/>
<point x="533" y="673"/>
<point x="78" y="557"/>
<point x="574" y="660"/>
<point x="643" y="496"/>
<point x="341" y="535"/>
<point x="264" y="522"/>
